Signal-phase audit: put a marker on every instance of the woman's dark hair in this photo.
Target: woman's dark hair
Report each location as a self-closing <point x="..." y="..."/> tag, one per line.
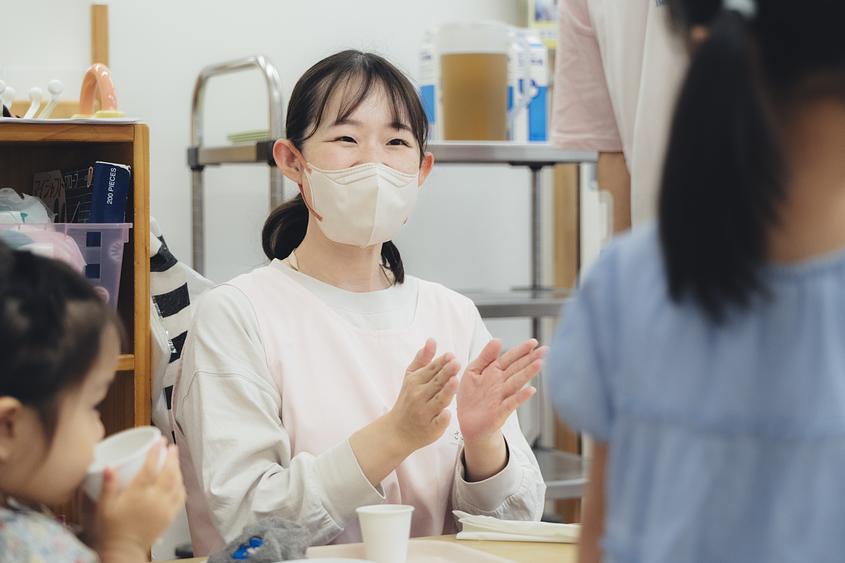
<point x="724" y="177"/>
<point x="51" y="325"/>
<point x="358" y="74"/>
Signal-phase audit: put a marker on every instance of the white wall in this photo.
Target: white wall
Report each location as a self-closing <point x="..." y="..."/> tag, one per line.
<point x="44" y="39"/>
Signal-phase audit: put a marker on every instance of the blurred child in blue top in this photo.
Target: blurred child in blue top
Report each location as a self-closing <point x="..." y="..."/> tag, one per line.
<point x="706" y="354"/>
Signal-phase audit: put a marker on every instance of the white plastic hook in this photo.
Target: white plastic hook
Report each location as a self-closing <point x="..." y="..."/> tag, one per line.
<point x="35" y="95"/>
<point x="55" y="87"/>
<point x="8" y="97"/>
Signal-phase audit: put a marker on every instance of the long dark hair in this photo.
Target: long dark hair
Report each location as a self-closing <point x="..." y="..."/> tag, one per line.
<point x="51" y="324"/>
<point x="358" y="73"/>
<point x="724" y="177"/>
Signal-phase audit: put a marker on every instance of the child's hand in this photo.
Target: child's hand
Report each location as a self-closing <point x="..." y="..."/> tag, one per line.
<point x="129" y="521"/>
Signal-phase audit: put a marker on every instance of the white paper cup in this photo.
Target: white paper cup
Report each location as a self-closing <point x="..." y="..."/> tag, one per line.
<point x="386" y="529"/>
<point x="125" y="453"/>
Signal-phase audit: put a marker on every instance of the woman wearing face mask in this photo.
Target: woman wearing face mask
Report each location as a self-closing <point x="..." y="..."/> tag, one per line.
<point x="330" y="379"/>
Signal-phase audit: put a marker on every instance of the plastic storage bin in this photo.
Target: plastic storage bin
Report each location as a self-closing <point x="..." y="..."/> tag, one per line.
<point x="100" y="246"/>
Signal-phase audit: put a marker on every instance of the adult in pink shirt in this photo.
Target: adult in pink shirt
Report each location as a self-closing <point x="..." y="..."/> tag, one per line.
<point x="618" y="68"/>
<point x="330" y="379"/>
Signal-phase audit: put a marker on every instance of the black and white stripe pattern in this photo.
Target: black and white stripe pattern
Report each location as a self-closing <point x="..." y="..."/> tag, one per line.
<point x="171" y="298"/>
<point x="172" y="286"/>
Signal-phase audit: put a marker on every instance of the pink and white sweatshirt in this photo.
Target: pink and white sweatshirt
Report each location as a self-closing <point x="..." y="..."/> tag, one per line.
<point x="280" y="369"/>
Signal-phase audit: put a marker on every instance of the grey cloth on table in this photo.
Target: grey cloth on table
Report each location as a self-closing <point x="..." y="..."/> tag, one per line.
<point x="267" y="541"/>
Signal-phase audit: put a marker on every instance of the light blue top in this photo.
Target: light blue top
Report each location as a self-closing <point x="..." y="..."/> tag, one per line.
<point x="727" y="443"/>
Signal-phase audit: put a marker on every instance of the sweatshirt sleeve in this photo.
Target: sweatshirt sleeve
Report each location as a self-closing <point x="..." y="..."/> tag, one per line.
<point x="228" y="414"/>
<point x="518" y="491"/>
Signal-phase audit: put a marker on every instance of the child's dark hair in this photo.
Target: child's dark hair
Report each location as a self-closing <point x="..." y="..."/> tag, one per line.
<point x="724" y="177"/>
<point x="358" y="74"/>
<point x="51" y="325"/>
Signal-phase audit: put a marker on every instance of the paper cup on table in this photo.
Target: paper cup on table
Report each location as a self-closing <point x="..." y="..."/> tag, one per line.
<point x="125" y="453"/>
<point x="386" y="529"/>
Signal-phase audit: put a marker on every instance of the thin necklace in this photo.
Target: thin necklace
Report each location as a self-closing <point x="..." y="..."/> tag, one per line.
<point x="293" y="262"/>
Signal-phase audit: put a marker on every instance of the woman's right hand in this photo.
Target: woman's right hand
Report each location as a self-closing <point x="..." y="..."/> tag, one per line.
<point x="419" y="415"/>
<point x="128" y="521"/>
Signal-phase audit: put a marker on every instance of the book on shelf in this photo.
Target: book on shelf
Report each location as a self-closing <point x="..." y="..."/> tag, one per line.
<point x="109" y="192"/>
<point x="95" y="194"/>
<point x="48" y="187"/>
<point x="78" y="195"/>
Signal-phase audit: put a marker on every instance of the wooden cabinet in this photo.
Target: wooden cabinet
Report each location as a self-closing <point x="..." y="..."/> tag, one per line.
<point x="27" y="148"/>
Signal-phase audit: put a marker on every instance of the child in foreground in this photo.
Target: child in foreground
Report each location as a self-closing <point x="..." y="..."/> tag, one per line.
<point x="59" y="345"/>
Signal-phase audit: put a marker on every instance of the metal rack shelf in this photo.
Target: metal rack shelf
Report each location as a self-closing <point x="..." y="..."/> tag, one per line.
<point x="536" y="302"/>
<point x="533" y="303"/>
<point x="260" y="152"/>
<point x="539" y="155"/>
<point x="531" y="155"/>
<point x="200" y="156"/>
<point x="564" y="473"/>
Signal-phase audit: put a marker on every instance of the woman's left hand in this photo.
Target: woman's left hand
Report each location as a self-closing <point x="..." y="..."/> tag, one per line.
<point x="492" y="388"/>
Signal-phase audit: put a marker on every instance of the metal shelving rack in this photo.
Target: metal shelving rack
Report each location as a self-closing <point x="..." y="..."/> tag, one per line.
<point x="200" y="156"/>
<point x="536" y="301"/>
<point x="564" y="473"/>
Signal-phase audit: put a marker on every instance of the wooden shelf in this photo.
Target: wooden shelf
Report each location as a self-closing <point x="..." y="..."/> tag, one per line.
<point x="126" y="362"/>
<point x="29" y="148"/>
<point x="66" y="132"/>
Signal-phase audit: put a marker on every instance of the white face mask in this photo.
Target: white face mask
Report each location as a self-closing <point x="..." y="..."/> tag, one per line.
<point x="363" y="205"/>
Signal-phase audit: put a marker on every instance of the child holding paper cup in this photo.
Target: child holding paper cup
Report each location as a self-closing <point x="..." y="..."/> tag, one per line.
<point x="59" y="345"/>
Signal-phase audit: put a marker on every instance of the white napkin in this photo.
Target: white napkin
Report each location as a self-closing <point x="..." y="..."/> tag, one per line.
<point x="493" y="529"/>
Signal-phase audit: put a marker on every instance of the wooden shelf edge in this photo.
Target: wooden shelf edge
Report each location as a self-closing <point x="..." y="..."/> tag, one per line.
<point x="126" y="362"/>
<point x="66" y="132"/>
